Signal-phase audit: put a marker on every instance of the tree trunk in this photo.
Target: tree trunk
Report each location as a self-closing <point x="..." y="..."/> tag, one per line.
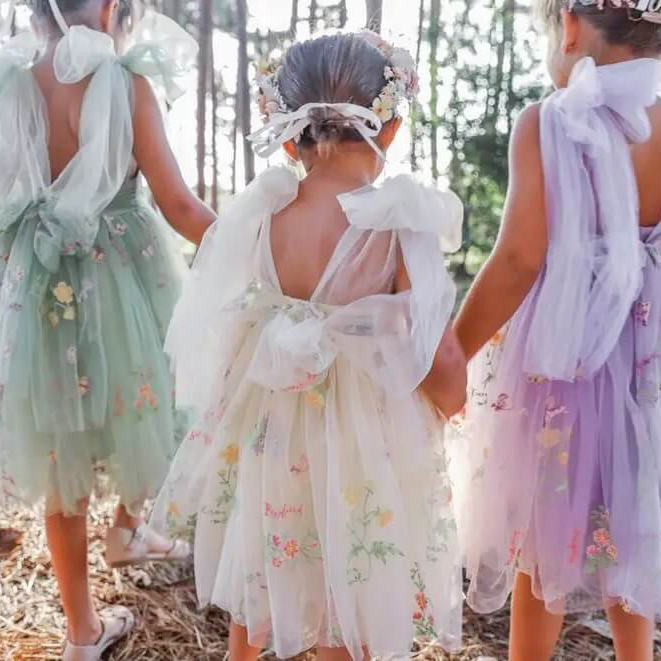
<point x="344" y="15"/>
<point x="312" y="20"/>
<point x="415" y="106"/>
<point x="434" y="34"/>
<point x="214" y="131"/>
<point x="204" y="30"/>
<point x="293" y="23"/>
<point x="374" y="14"/>
<point x="243" y="88"/>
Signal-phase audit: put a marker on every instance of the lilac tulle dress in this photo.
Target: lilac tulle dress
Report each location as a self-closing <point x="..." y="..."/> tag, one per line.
<point x="559" y="475"/>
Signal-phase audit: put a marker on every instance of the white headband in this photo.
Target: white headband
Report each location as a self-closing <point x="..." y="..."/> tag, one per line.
<point x="283" y="127"/>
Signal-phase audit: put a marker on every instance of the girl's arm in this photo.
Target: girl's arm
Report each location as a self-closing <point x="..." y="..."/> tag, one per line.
<point x="187" y="215"/>
<point x="445" y="385"/>
<point x="520" y="252"/>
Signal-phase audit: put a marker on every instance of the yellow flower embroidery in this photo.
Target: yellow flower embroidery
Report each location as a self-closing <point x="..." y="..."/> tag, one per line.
<point x="230" y="454"/>
<point x="53" y="318"/>
<point x="352" y="496"/>
<point x="63" y="293"/>
<point x="174" y="509"/>
<point x="315" y="399"/>
<point x="563" y="458"/>
<point x="385" y="518"/>
<point x="549" y="438"/>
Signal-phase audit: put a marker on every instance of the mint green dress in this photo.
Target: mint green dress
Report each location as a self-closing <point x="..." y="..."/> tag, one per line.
<point x="89" y="280"/>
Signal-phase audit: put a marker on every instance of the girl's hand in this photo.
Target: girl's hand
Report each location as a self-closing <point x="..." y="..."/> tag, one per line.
<point x="520" y="252"/>
<point x="188" y="215"/>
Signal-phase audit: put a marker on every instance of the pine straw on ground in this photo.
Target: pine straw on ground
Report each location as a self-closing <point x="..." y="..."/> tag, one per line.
<point x="170" y="628"/>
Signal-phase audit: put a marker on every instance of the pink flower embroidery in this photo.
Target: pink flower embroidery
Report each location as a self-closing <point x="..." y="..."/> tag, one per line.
<point x="422" y="601"/>
<point x="417" y="616"/>
<point x="642" y="313"/>
<point x="84" y="385"/>
<point x="592" y="551"/>
<point x="502" y="403"/>
<point x="277" y="540"/>
<point x="291" y="548"/>
<point x="277" y="562"/>
<point x="601" y="537"/>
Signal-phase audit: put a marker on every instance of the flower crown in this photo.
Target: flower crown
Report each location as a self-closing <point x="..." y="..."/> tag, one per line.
<point x="402" y="81"/>
<point x="639" y="10"/>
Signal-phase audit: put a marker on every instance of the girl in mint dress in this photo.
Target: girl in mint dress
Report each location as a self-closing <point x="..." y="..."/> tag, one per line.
<point x="89" y="280"/>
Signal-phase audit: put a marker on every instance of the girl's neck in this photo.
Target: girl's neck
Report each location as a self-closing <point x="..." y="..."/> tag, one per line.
<point x="343" y="171"/>
<point x="607" y="54"/>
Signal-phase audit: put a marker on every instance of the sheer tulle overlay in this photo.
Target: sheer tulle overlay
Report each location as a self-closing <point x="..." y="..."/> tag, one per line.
<point x="89" y="279"/>
<point x="559" y="474"/>
<point x="314" y="481"/>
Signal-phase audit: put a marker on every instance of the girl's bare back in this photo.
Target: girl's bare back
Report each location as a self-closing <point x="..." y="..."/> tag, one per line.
<point x="647" y="165"/>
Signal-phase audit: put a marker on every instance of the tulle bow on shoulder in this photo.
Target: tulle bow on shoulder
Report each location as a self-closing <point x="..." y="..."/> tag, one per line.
<point x="391" y="338"/>
<point x="72" y="205"/>
<point x="594" y="266"/>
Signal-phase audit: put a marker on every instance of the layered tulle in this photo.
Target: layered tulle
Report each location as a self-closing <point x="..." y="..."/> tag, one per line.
<point x="314" y="481"/>
<point x="86" y="379"/>
<point x="561" y="478"/>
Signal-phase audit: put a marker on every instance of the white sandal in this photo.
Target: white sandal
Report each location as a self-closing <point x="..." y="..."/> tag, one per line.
<point x="133" y="547"/>
<point x="116" y="623"/>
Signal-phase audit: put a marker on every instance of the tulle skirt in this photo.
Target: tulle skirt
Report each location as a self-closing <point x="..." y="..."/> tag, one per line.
<point x="561" y="480"/>
<point x="321" y="514"/>
<point x="85" y="381"/>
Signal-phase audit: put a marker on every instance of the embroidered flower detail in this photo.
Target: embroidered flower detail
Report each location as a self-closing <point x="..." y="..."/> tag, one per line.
<point x="84" y="386"/>
<point x="277" y="540"/>
<point x="71" y="355"/>
<point x="230" y="455"/>
<point x="503" y="403"/>
<point x="563" y="458"/>
<point x="98" y="255"/>
<point x="69" y="313"/>
<point x="537" y="379"/>
<point x="148" y="252"/>
<point x="173" y="509"/>
<point x="642" y="313"/>
<point x="385" y="518"/>
<point x="291" y="548"/>
<point x="63" y="293"/>
<point x="277" y="562"/>
<point x="602" y="554"/>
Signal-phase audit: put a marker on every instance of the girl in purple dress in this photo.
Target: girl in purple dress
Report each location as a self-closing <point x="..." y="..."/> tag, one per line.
<point x="561" y="474"/>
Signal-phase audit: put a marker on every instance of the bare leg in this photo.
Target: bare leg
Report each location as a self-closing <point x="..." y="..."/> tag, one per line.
<point x="534" y="631"/>
<point x="67" y="541"/>
<point x="633" y="635"/>
<point x="240" y="648"/>
<point x="336" y="654"/>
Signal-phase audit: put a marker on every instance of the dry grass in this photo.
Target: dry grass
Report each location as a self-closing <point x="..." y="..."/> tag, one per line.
<point x="169" y="626"/>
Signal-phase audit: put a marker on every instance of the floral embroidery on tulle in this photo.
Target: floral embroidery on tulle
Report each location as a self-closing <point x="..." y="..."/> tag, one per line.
<point x="549" y="436"/>
<point x="363" y="521"/>
<point x="515" y="548"/>
<point x="146" y="401"/>
<point x="84" y="386"/>
<point x="227" y="477"/>
<point x="317" y="396"/>
<point x="98" y="255"/>
<point x="423" y="618"/>
<point x="176" y="529"/>
<point x="537" y="379"/>
<point x="63" y="304"/>
<point x="303" y="466"/>
<point x="502" y="403"/>
<point x="283" y="551"/>
<point x="257" y="439"/>
<point x="642" y="312"/>
<point x="602" y="553"/>
<point x="71" y="355"/>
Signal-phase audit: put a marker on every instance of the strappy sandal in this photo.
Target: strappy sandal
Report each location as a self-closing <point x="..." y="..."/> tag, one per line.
<point x="116" y="623"/>
<point x="134" y="547"/>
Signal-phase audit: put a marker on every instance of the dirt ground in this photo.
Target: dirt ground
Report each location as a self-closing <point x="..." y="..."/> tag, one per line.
<point x="169" y="628"/>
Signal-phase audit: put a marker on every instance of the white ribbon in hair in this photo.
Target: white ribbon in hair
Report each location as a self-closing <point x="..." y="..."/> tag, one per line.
<point x="5" y="24"/>
<point x="57" y="15"/>
<point x="289" y="126"/>
<point x="651" y="11"/>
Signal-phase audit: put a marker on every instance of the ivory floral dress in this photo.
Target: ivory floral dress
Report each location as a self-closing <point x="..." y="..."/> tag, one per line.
<point x="314" y="481"/>
<point x="560" y="476"/>
<point x="89" y="279"/>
